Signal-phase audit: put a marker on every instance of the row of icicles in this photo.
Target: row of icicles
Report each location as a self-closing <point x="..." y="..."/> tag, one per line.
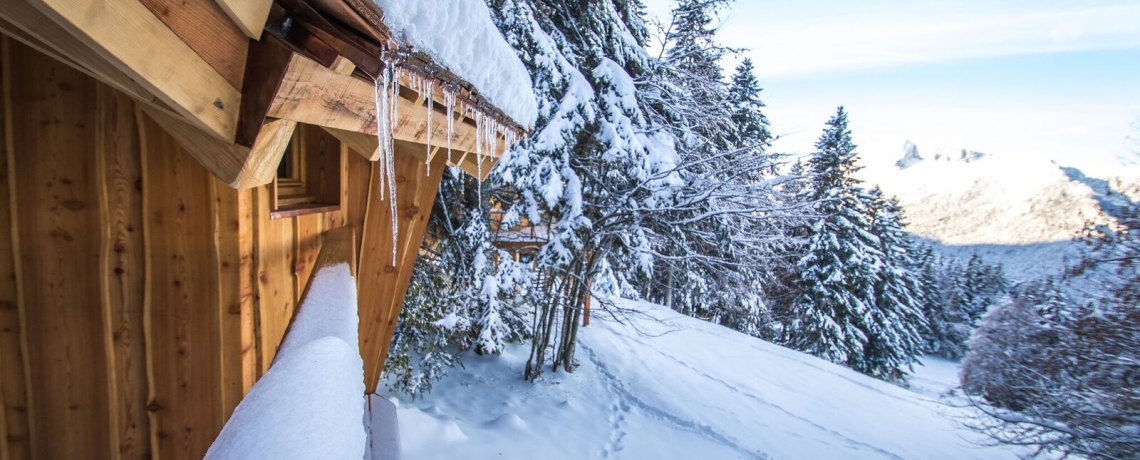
<point x="387" y="96"/>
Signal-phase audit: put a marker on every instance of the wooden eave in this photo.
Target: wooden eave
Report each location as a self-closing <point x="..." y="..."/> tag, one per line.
<point x="229" y="79"/>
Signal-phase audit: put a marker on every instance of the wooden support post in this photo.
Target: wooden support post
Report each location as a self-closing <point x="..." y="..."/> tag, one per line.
<point x="382" y="283"/>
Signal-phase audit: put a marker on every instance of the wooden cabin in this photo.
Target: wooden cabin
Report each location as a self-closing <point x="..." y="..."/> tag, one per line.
<point x="170" y="172"/>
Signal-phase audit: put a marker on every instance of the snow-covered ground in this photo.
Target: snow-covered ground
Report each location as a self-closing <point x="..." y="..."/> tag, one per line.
<point x="664" y="386"/>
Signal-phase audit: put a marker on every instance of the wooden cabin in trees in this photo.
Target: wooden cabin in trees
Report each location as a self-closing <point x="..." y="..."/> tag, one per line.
<point x="172" y="171"/>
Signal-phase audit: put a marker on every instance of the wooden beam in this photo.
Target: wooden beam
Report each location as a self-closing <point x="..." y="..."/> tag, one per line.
<point x="248" y="15"/>
<point x="268" y="60"/>
<point x="313" y="94"/>
<point x="25" y="23"/>
<point x="205" y="28"/>
<point x="235" y="165"/>
<point x="138" y="43"/>
<point x="383" y="284"/>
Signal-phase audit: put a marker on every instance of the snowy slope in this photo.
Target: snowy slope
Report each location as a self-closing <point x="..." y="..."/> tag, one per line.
<point x="665" y="386"/>
<point x="1021" y="212"/>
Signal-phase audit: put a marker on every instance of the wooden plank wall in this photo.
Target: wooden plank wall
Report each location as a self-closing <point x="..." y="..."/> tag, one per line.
<point x="140" y="298"/>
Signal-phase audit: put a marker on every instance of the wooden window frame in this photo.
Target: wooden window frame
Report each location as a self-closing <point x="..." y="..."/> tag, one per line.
<point x="310" y="178"/>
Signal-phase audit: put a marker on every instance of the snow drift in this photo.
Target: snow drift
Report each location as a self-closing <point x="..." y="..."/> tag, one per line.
<point x="662" y="385"/>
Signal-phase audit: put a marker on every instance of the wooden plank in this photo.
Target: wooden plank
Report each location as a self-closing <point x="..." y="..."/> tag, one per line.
<point x="129" y="36"/>
<point x="307" y="242"/>
<point x="14" y="435"/>
<point x="268" y="60"/>
<point x="235" y="165"/>
<point x="341" y="12"/>
<point x="360" y="172"/>
<point x="58" y="262"/>
<point x="248" y="15"/>
<point x="207" y="29"/>
<point x="275" y="288"/>
<point x="323" y="172"/>
<point x="337" y="219"/>
<point x="182" y="328"/>
<point x="122" y="269"/>
<point x="233" y="243"/>
<point x="25" y="23"/>
<point x="383" y="284"/>
<point x="313" y="94"/>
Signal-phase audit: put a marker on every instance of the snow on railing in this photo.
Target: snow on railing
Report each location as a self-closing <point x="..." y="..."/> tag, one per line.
<point x="309" y="404"/>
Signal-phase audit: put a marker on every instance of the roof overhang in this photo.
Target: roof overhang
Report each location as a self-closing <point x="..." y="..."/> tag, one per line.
<point x="234" y="108"/>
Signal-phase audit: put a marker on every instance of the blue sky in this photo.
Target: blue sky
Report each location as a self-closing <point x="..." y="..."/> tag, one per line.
<point x="1051" y="79"/>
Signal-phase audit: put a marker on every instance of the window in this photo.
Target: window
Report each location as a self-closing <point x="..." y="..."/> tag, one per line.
<point x="310" y="176"/>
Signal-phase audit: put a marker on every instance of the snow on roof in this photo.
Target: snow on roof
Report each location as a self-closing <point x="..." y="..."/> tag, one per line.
<point x="459" y="35"/>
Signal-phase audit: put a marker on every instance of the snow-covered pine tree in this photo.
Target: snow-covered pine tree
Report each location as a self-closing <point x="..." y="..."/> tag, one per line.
<point x="894" y="338"/>
<point x="751" y="125"/>
<point x="947" y="327"/>
<point x="840" y="267"/>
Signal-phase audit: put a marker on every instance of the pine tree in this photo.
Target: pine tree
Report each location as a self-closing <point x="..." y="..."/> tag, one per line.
<point x="895" y="335"/>
<point x="840" y="269"/>
<point x="744" y="97"/>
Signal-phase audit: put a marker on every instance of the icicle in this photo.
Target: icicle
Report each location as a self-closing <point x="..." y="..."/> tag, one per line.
<point x="430" y="109"/>
<point x="387" y="94"/>
<point x="449" y="101"/>
<point x="479" y="134"/>
<point x="393" y="114"/>
<point x="494" y="136"/>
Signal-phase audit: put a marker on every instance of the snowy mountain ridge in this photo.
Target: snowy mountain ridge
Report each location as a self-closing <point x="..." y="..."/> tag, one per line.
<point x="1020" y="212"/>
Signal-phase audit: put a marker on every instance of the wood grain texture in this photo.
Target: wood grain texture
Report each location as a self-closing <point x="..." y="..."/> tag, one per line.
<point x="307" y="245"/>
<point x="323" y="171"/>
<point x="360" y="172"/>
<point x="237" y="166"/>
<point x="275" y="287"/>
<point x="366" y="145"/>
<point x="25" y="23"/>
<point x="59" y="252"/>
<point x="207" y="29"/>
<point x="313" y="94"/>
<point x="121" y="269"/>
<point x="248" y="15"/>
<point x="135" y="41"/>
<point x="183" y="331"/>
<point x="383" y="284"/>
<point x="233" y="245"/>
<point x="14" y="434"/>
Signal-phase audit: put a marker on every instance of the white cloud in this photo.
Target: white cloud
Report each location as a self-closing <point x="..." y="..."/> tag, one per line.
<point x="793" y="38"/>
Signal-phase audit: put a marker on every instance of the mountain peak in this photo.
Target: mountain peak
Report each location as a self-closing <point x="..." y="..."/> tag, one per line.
<point x="910" y="156"/>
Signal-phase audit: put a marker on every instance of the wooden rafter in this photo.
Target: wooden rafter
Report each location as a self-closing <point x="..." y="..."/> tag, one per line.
<point x="313" y="94"/>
